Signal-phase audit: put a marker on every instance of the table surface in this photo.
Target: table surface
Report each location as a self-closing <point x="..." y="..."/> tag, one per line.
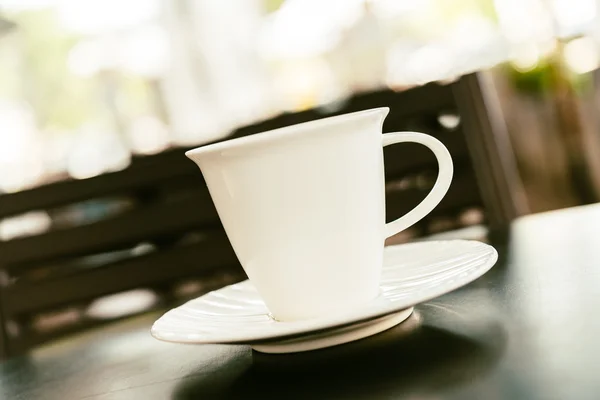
<point x="525" y="330"/>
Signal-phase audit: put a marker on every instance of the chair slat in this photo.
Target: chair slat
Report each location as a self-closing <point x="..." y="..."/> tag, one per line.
<point x="404" y="158"/>
<point x="416" y="100"/>
<point x="127" y="229"/>
<point x="463" y="193"/>
<point x="142" y="172"/>
<point x="144" y="271"/>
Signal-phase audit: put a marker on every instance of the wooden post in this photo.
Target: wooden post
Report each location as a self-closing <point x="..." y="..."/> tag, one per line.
<point x="3" y="336"/>
<point x="492" y="155"/>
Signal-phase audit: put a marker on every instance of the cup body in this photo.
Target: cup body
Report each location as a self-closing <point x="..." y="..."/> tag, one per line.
<point x="304" y="209"/>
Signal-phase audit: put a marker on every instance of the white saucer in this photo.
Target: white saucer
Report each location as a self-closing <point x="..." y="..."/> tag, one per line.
<point x="412" y="273"/>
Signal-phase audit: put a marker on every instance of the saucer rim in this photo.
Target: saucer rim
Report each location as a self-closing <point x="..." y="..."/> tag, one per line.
<point x="352" y="319"/>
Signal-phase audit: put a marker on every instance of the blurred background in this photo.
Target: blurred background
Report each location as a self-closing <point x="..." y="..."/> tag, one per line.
<point x="87" y="87"/>
<point x="86" y="84"/>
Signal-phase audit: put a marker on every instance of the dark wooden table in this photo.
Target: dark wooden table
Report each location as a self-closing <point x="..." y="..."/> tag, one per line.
<point x="526" y="330"/>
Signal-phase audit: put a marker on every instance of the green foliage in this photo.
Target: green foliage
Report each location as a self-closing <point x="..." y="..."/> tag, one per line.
<point x="537" y="81"/>
<point x="546" y="78"/>
<point x="39" y="73"/>
<point x="34" y="68"/>
<point x="272" y="5"/>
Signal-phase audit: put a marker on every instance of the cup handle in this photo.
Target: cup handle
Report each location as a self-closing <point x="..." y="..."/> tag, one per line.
<point x="442" y="182"/>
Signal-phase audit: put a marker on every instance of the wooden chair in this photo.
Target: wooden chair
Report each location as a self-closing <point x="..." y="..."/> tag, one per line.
<point x="158" y="202"/>
<point x="486" y="177"/>
<point x="153" y="225"/>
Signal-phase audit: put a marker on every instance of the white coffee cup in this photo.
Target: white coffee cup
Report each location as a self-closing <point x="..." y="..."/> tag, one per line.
<point x="304" y="209"/>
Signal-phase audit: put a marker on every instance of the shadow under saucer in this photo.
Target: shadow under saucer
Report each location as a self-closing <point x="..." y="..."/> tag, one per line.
<point x="423" y="355"/>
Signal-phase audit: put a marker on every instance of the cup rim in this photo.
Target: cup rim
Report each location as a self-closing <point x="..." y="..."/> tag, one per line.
<point x="277" y="133"/>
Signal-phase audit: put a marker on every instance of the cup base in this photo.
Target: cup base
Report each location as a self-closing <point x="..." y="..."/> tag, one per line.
<point x="334" y="337"/>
